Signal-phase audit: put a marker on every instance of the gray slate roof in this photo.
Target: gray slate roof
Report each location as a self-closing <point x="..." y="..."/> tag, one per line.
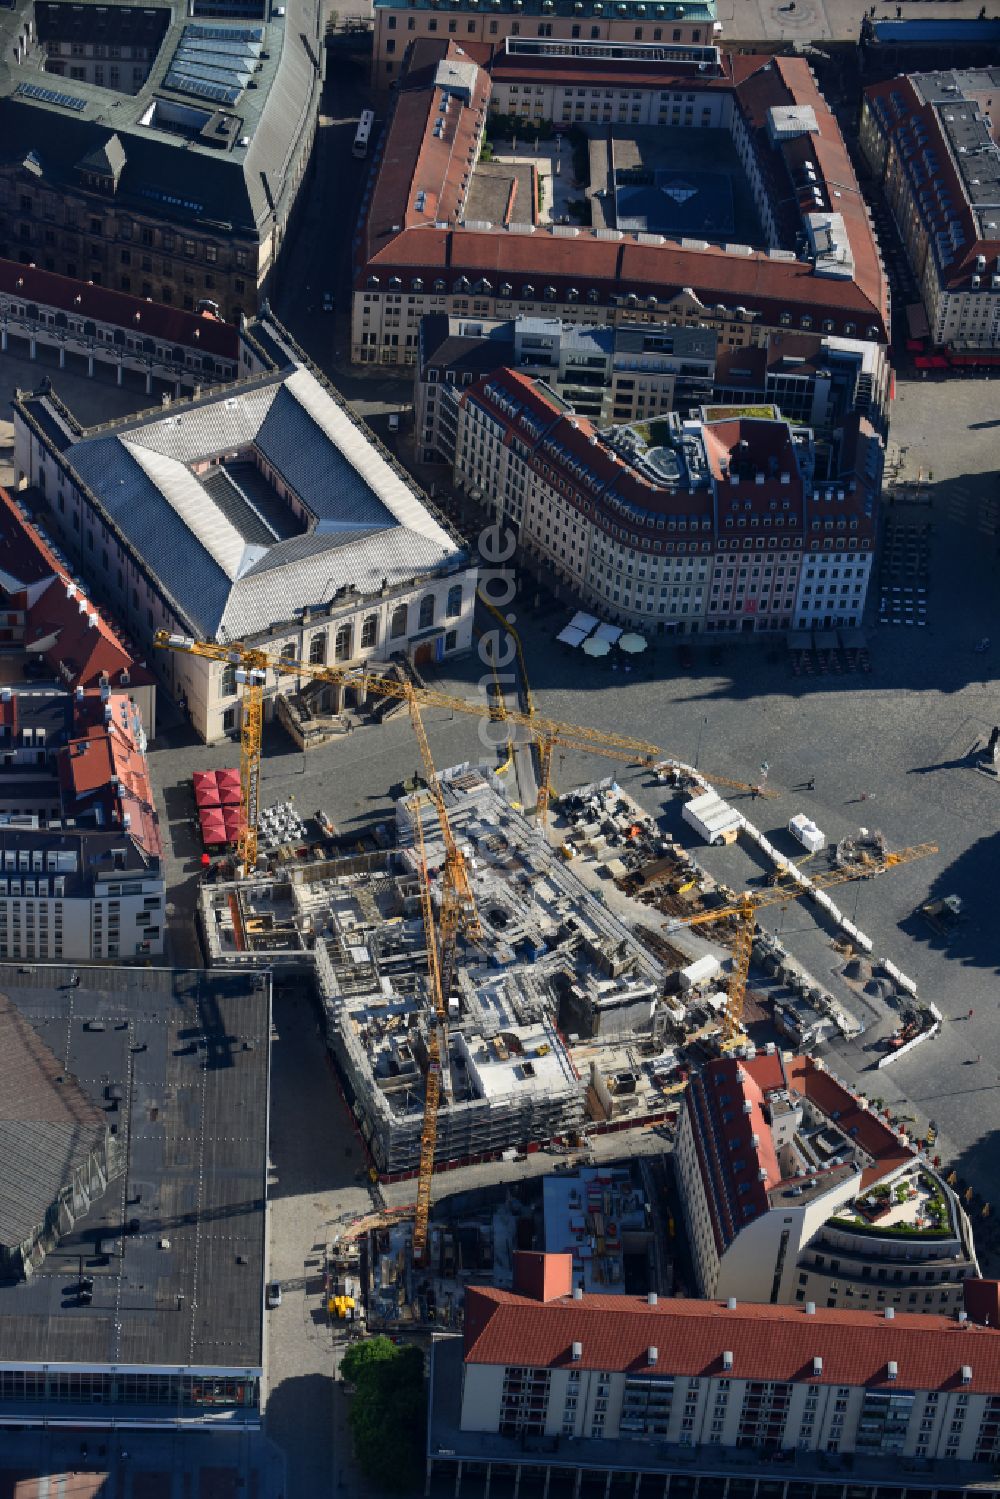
<point x="47" y="1128"/>
<point x="180" y="1277"/>
<point x="366" y="523"/>
<point x="168" y="174"/>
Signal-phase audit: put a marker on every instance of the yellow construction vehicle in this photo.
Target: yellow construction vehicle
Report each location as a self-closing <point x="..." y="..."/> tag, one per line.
<point x="457" y="905"/>
<point x="744" y="910"/>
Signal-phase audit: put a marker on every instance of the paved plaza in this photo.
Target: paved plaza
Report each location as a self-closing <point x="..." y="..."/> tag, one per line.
<point x="889" y="749"/>
<point x="819" y="21"/>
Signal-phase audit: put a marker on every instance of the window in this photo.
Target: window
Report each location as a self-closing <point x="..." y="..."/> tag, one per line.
<point x="369" y="632"/>
<point x="426" y="611"/>
<point x="454" y="601"/>
<point x="342" y="644"/>
<point x="398" y="626"/>
<point x="317" y="649"/>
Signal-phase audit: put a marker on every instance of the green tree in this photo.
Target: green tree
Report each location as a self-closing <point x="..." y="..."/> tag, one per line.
<point x="388" y="1412"/>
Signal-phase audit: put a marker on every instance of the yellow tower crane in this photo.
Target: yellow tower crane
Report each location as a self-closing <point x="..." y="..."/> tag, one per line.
<point x="253" y="664"/>
<point x="744" y="913"/>
<point x="249" y="662"/>
<point x="437" y="1055"/>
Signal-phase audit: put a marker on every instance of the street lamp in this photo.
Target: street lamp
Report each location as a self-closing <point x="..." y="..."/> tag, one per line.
<point x="701" y="731"/>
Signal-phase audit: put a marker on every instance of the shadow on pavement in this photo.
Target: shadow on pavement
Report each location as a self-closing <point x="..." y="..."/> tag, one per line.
<point x="972" y="941"/>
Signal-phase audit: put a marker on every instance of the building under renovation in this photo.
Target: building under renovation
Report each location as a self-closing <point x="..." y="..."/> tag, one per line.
<point x="550" y="951"/>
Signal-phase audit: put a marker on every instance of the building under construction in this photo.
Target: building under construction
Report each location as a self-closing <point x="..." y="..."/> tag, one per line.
<point x="549" y="950"/>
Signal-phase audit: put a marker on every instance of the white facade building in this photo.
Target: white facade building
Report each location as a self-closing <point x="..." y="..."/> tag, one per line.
<point x="564" y="1388"/>
<point x="794" y="1191"/>
<point x="266" y="513"/>
<point x="713" y="523"/>
<point x="930" y="141"/>
<point x="76" y="898"/>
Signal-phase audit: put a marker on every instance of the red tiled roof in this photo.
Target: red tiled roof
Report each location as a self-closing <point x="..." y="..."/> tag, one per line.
<point x="575" y="434"/>
<point x="154" y="319"/>
<point x="24" y="557"/>
<point x="903" y="106"/>
<point x="775" y="1343"/>
<point x="736" y="1152"/>
<point x="872" y="1134"/>
<point x="83" y="643"/>
<point x="624" y="266"/>
<point x="765" y="285"/>
<point x="543" y="1277"/>
<point x="415" y="160"/>
<point x="106" y="766"/>
<point x="84" y="646"/>
<point x="982" y="1301"/>
<point x="506" y="67"/>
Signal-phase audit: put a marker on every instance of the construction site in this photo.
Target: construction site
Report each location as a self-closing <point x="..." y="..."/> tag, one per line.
<point x="601" y="1215"/>
<point x="492" y="984"/>
<point x="555" y="1010"/>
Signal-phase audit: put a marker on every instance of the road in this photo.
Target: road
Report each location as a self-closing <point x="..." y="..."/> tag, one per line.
<point x="314" y="1156"/>
<point x="819" y="21"/>
<point x="900" y="735"/>
<point x="319" y="258"/>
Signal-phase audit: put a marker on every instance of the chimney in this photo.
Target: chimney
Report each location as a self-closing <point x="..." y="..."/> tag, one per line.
<point x="653" y="1354"/>
<point x="810" y="1308"/>
<point x="576" y="1352"/>
<point x="963" y="1318"/>
<point x="966" y="1373"/>
<point x="651" y="1299"/>
<point x="577" y="1293"/>
<point x="817" y="1367"/>
<point x="543" y="1277"/>
<point x="731" y="1303"/>
<point x="727" y="1359"/>
<point x="892" y="1369"/>
<point x="890" y="1313"/>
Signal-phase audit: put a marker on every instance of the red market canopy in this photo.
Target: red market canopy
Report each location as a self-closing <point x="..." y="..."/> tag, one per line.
<point x="228" y="777"/>
<point x="233" y="818"/>
<point x="213" y="827"/>
<point x="207" y="794"/>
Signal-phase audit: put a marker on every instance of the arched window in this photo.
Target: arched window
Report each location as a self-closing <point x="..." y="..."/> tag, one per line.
<point x="288" y="654"/>
<point x="342" y="644"/>
<point x="426" y="611"/>
<point x="398" y="628"/>
<point x="455" y="601"/>
<point x="317" y="649"/>
<point x="369" y="632"/>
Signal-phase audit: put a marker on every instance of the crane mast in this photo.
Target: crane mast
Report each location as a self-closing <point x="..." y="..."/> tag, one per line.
<point x="458" y="905"/>
<point x="744" y="913"/>
<point x="437" y="1056"/>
